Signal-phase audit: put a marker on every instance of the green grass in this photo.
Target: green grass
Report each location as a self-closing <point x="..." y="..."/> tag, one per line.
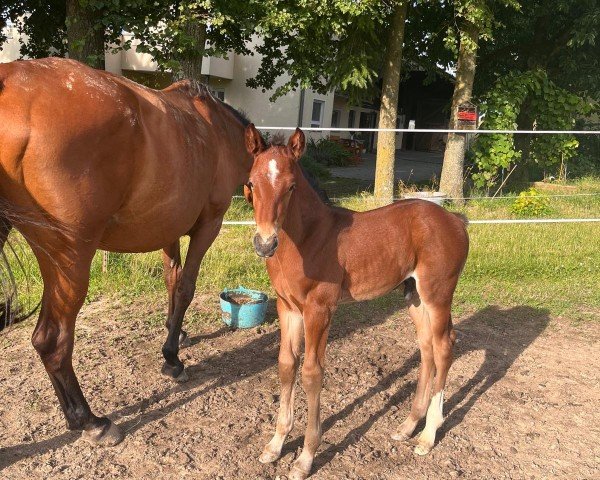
<point x="555" y="266"/>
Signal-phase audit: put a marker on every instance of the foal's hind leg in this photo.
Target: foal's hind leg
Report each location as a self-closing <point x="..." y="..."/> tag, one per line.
<point x="66" y="279"/>
<point x="420" y="318"/>
<point x="200" y="239"/>
<point x="172" y="272"/>
<point x="443" y="341"/>
<point x="289" y="357"/>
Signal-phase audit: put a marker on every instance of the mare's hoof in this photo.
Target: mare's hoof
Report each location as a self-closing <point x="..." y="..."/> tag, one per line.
<point x="184" y="340"/>
<point x="268" y="457"/>
<point x="175" y="372"/>
<point x="108" y="435"/>
<point x="182" y="377"/>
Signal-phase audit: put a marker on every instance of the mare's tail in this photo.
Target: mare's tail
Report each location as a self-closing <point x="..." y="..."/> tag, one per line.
<point x="12" y="310"/>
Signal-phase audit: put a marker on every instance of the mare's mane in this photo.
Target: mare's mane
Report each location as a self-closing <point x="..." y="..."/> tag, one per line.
<point x="203" y="91"/>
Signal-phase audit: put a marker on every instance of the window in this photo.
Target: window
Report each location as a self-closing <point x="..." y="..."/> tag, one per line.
<point x="335" y="118"/>
<point x="351" y="114"/>
<point x="316" y="119"/>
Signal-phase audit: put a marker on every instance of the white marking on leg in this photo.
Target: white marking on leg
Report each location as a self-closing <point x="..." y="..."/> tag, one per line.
<point x="273" y="171"/>
<point x="434" y="420"/>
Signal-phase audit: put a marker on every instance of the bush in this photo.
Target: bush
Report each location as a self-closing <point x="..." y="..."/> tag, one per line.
<point x="316" y="169"/>
<point x="587" y="160"/>
<point x="327" y="153"/>
<point x="531" y="203"/>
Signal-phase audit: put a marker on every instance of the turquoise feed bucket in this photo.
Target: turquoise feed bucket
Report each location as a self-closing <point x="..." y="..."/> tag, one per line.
<point x="243" y="308"/>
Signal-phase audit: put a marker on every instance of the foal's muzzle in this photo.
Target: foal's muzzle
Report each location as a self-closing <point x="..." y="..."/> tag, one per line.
<point x="265" y="248"/>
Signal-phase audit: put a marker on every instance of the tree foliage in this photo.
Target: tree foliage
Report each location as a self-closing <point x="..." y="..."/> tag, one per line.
<point x="552" y="107"/>
<point x="322" y="45"/>
<point x="560" y="37"/>
<point x="159" y="26"/>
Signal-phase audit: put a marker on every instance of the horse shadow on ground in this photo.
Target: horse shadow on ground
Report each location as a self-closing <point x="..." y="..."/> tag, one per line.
<point x="260" y="354"/>
<point x="501" y="350"/>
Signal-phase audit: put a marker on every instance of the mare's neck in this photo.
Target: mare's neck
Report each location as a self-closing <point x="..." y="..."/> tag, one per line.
<point x="306" y="211"/>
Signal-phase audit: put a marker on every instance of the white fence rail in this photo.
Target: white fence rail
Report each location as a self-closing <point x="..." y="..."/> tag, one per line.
<point x="471" y="222"/>
<point x="434" y="130"/>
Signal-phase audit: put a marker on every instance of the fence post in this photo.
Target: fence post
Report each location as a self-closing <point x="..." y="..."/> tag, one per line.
<point x="104" y="261"/>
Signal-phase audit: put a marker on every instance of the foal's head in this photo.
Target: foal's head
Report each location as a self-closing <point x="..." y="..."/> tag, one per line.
<point x="272" y="182"/>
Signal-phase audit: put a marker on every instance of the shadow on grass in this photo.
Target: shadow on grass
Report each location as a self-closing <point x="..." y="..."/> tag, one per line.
<point x="260" y="354"/>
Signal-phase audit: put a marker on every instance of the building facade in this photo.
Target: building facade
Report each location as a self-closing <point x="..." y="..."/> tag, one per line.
<point x="227" y="77"/>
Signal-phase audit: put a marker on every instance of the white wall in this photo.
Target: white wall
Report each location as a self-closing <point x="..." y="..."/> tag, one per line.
<point x="9" y="50"/>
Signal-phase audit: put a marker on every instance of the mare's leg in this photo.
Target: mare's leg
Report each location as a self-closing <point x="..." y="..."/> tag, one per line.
<point x="317" y="319"/>
<point x="289" y="357"/>
<point x="171" y="257"/>
<point x="66" y="279"/>
<point x="201" y="237"/>
<point x="437" y="299"/>
<point x="420" y="318"/>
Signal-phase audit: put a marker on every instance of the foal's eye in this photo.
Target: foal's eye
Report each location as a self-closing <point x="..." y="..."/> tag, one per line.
<point x="292" y="187"/>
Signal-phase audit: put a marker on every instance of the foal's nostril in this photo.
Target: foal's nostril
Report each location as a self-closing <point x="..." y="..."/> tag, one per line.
<point x="265" y="248"/>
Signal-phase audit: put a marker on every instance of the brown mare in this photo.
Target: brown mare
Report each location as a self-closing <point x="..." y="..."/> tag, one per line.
<point x="319" y="256"/>
<point x="92" y="160"/>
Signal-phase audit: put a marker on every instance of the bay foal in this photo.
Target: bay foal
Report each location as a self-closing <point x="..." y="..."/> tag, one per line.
<point x="319" y="256"/>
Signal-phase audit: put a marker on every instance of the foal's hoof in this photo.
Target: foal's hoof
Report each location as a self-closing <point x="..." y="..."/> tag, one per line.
<point x="268" y="457"/>
<point x="422" y="445"/>
<point x="400" y="436"/>
<point x="175" y="372"/>
<point x="297" y="473"/>
<point x="422" y="450"/>
<point x="107" y="435"/>
<point x="184" y="340"/>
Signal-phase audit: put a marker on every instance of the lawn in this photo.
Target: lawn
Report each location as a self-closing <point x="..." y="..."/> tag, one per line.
<point x="555" y="266"/>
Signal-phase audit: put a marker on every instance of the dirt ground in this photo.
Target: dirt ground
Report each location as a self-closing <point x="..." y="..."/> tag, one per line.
<point x="522" y="398"/>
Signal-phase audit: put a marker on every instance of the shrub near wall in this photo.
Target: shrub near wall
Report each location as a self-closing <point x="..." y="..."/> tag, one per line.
<point x="327" y="153"/>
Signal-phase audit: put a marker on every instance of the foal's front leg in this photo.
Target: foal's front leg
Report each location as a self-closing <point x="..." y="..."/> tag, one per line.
<point x="289" y="357"/>
<point x="317" y="319"/>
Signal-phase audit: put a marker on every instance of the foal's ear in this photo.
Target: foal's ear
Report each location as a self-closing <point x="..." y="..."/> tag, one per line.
<point x="254" y="140"/>
<point x="297" y="144"/>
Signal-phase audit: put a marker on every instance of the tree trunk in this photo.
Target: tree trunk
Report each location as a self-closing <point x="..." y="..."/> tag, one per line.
<point x="190" y="60"/>
<point x="451" y="182"/>
<point x="85" y="38"/>
<point x="386" y="141"/>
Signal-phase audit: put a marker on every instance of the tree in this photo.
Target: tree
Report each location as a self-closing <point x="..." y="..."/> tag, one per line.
<point x="386" y="143"/>
<point x="84" y="32"/>
<point x="542" y="71"/>
<point x="174" y="33"/>
<point x="343" y="45"/>
<point x="474" y="20"/>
